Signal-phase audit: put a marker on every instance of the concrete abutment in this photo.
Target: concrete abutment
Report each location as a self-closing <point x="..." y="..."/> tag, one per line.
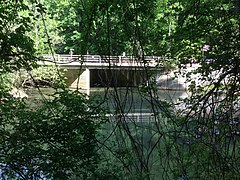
<point x="78" y="78"/>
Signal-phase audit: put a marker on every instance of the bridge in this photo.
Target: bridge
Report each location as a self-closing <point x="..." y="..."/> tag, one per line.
<point x="85" y="71"/>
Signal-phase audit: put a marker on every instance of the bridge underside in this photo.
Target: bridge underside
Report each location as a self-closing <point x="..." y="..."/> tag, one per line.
<point x="87" y="78"/>
<point x="116" y="77"/>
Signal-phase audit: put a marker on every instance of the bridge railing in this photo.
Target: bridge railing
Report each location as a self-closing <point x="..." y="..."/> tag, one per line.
<point x="132" y="117"/>
<point x="68" y="58"/>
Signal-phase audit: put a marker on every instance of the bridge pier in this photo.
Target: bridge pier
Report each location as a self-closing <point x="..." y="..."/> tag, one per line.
<point x="78" y="78"/>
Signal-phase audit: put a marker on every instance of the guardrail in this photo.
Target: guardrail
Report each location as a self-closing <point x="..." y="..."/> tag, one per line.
<point x="66" y="58"/>
<point x="132" y="117"/>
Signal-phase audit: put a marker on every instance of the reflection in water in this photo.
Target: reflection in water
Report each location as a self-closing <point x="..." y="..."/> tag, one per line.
<point x="131" y="100"/>
<point x="120" y="100"/>
<point x="135" y="131"/>
<point x="128" y="103"/>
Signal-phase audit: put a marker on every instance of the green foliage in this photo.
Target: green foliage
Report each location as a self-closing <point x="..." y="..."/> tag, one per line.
<point x="5" y="81"/>
<point x="101" y="27"/>
<point x="16" y="47"/>
<point x="57" y="139"/>
<point x="45" y="31"/>
<point x="169" y="64"/>
<point x="214" y="24"/>
<point x="48" y="76"/>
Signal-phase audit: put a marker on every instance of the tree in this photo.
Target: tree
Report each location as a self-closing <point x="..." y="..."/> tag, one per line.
<point x="16" y="50"/>
<point x="16" y="47"/>
<point x="208" y="32"/>
<point x="53" y="138"/>
<point x="105" y="27"/>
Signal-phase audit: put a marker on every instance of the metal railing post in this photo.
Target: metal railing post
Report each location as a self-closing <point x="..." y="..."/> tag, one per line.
<point x="120" y="60"/>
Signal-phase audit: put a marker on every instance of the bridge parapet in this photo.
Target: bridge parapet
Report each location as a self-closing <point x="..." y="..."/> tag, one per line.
<point x="102" y="60"/>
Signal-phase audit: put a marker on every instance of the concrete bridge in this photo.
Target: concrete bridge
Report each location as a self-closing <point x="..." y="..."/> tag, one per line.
<point x="85" y="71"/>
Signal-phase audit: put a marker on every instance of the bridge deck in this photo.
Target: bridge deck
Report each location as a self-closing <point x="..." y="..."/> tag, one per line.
<point x="66" y="60"/>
